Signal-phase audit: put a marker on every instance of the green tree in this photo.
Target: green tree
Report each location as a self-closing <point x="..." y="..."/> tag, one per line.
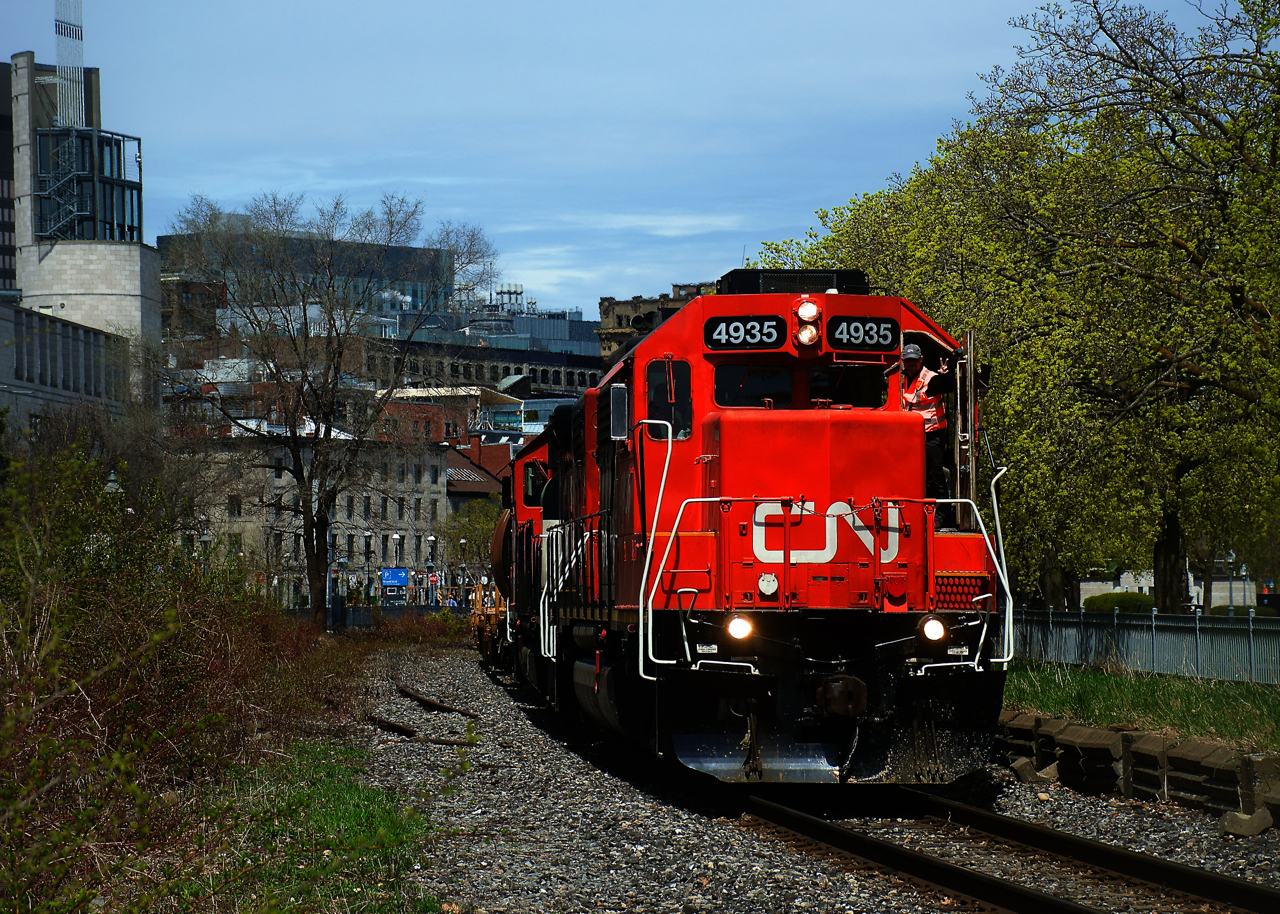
<point x="305" y="292"/>
<point x="474" y="523"/>
<point x="1090" y="243"/>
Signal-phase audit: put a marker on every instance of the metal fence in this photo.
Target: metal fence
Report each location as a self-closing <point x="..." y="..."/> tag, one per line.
<point x="367" y="616"/>
<point x="1243" y="647"/>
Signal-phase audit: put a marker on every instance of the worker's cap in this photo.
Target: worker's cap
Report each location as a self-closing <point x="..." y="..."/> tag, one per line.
<point x="911" y="351"/>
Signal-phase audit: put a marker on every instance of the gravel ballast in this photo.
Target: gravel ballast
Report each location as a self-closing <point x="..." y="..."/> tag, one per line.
<point x="553" y="819"/>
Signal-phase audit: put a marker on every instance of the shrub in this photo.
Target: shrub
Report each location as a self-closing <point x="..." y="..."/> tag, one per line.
<point x="1126" y="601"/>
<point x="1225" y="610"/>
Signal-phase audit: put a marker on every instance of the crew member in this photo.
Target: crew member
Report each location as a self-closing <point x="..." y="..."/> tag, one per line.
<point x="922" y="392"/>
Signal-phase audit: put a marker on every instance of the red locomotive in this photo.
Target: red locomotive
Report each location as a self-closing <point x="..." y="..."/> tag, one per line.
<point x="725" y="550"/>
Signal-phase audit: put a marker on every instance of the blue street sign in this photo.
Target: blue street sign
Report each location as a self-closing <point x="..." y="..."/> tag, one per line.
<point x="395" y="577"/>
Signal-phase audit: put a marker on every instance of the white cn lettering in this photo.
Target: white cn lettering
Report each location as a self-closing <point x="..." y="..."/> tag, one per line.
<point x="828" y="551"/>
<point x="892" y="516"/>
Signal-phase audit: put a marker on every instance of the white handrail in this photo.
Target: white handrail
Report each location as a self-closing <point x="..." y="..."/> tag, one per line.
<point x="648" y="646"/>
<point x="1008" y="593"/>
<point x="546" y="633"/>
<point x="653" y="529"/>
<point x="646" y="603"/>
<point x="1000" y="570"/>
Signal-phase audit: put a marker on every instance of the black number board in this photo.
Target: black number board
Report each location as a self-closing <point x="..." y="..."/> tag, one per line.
<point x="862" y="334"/>
<point x="750" y="331"/>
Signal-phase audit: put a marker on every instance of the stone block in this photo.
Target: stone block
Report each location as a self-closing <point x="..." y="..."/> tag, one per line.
<point x="1271" y="802"/>
<point x="1046" y="742"/>
<point x="1237" y="823"/>
<point x="1190" y="753"/>
<point x="1089" y="741"/>
<point x="1025" y="769"/>
<point x="1143" y="766"/>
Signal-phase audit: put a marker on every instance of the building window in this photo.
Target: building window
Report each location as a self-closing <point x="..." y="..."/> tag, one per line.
<point x="386" y="544"/>
<point x="399" y="509"/>
<point x="233" y="506"/>
<point x="279" y="505"/>
<point x="383" y="515"/>
<point x="367" y="502"/>
<point x="435" y="475"/>
<point x="368" y="549"/>
<point x="400" y="472"/>
<point x="417" y="474"/>
<point x="417" y="510"/>
<point x="568" y="378"/>
<point x="351" y="546"/>
<point x="582" y="379"/>
<point x="415" y="428"/>
<point x="546" y="376"/>
<point x="506" y="371"/>
<point x="435" y="509"/>
<point x="493" y="372"/>
<point x="280" y="545"/>
<point x="279" y="468"/>
<point x="594" y="378"/>
<point x="351" y="507"/>
<point x="399" y="549"/>
<point x="297" y="547"/>
<point x="417" y="549"/>
<point x="555" y="378"/>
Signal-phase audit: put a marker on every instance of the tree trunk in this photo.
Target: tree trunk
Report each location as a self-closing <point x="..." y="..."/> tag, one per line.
<point x="1170" y="563"/>
<point x="1053" y="585"/>
<point x="317" y="548"/>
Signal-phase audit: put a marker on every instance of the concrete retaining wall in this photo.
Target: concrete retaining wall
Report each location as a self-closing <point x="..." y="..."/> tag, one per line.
<point x="1195" y="773"/>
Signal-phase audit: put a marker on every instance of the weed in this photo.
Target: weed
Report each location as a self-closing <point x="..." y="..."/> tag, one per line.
<point x="1244" y="714"/>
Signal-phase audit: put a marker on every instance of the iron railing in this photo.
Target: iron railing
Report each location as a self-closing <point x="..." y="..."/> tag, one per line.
<point x="1244" y="647"/>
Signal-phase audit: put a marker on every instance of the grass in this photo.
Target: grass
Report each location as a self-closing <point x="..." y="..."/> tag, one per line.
<point x="308" y="835"/>
<point x="1243" y="714"/>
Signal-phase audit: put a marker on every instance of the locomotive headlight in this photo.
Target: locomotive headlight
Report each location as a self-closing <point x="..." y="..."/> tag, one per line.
<point x="807" y="335"/>
<point x="808" y="311"/>
<point x="933" y="628"/>
<point x="739" y="627"/>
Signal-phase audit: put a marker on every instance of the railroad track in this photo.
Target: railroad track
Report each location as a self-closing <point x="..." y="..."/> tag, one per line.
<point x="1087" y="877"/>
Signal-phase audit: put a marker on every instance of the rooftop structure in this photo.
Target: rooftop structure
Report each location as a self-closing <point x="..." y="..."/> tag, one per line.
<point x="71" y="214"/>
<point x="624" y="319"/>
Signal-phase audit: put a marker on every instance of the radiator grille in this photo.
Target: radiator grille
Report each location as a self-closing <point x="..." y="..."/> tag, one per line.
<point x="956" y="591"/>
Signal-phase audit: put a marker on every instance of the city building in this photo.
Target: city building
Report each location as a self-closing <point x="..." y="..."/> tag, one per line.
<point x="625" y="319"/>
<point x="49" y="364"/>
<point x="74" y="190"/>
<point x="80" y="312"/>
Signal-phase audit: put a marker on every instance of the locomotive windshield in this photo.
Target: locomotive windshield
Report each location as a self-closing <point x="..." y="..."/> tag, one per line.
<point x="752" y="385"/>
<point x="859" y="386"/>
<point x="779" y="386"/>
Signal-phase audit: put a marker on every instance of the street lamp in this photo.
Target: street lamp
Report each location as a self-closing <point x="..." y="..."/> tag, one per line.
<point x="431" y="567"/>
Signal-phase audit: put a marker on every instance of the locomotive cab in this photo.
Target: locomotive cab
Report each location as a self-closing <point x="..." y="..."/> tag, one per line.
<point x="746" y="571"/>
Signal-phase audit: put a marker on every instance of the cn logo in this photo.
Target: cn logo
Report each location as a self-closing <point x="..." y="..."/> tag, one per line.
<point x="834" y="514"/>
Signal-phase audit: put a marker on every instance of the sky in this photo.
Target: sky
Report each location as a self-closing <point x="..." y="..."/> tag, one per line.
<point x="607" y="149"/>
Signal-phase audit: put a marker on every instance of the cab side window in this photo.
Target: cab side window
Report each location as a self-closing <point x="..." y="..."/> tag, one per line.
<point x="535" y="480"/>
<point x="670" y="397"/>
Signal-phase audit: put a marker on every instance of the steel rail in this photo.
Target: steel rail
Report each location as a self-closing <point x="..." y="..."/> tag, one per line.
<point x="1240" y="893"/>
<point x="988" y="889"/>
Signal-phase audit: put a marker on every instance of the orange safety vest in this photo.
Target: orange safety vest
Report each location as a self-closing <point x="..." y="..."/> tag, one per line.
<point x="915" y="399"/>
